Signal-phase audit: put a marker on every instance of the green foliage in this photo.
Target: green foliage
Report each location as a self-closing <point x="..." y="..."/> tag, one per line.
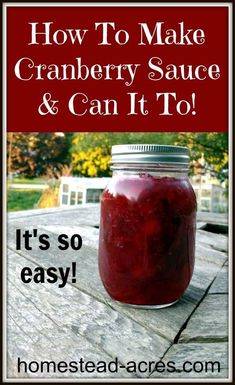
<point x="33" y="154"/>
<point x="208" y="151"/>
<point x="22" y="199"/>
<point x="19" y="153"/>
<point x="37" y="154"/>
<point x="213" y="146"/>
<point x="50" y="152"/>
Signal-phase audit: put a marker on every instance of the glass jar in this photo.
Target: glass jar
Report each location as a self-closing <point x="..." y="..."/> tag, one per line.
<point x="147" y="226"/>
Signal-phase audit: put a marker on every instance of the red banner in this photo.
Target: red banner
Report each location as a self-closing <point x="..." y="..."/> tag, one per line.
<point x="117" y="68"/>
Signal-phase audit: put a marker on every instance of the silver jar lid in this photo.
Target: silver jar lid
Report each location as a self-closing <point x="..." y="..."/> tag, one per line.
<point x="150" y="153"/>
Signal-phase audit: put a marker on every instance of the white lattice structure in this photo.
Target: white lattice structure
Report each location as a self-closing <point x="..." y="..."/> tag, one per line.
<point x="75" y="191"/>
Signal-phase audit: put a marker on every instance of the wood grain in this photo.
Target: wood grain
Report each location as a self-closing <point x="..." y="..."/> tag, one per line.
<point x="80" y="320"/>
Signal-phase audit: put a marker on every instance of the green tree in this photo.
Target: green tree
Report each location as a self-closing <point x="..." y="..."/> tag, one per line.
<point x="33" y="154"/>
<point x="209" y="152"/>
<point x="19" y="153"/>
<point x="51" y="152"/>
<point x="38" y="154"/>
<point x="211" y="147"/>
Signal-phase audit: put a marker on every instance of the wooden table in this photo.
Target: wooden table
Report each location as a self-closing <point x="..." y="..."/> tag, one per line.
<point x="46" y="322"/>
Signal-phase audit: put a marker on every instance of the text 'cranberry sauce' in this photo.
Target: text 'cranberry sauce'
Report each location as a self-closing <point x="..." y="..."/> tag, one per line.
<point x="147" y="228"/>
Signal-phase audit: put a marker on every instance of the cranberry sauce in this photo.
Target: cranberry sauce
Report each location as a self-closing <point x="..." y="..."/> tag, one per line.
<point x="147" y="238"/>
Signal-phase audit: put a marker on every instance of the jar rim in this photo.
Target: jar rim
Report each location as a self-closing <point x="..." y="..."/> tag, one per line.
<point x="150" y="153"/>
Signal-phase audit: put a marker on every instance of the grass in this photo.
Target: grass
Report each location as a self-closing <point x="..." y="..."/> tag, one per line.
<point x="22" y="199"/>
<point x="28" y="181"/>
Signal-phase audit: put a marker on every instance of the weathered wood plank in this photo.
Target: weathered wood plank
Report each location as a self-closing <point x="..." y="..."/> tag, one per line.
<point x="208" y="253"/>
<point x="86" y="258"/>
<point x="208" y="217"/>
<point x="203" y="275"/>
<point x="88" y="214"/>
<point x="200" y="225"/>
<point x="33" y="336"/>
<point x="89" y="234"/>
<point x="193" y="352"/>
<point x="84" y="312"/>
<point x="215" y="241"/>
<point x="220" y="284"/>
<point x="17" y="350"/>
<point x="80" y="315"/>
<point x="209" y="323"/>
<point x="166" y="322"/>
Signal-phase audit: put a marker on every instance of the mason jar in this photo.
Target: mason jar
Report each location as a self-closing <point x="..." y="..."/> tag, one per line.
<point x="147" y="225"/>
